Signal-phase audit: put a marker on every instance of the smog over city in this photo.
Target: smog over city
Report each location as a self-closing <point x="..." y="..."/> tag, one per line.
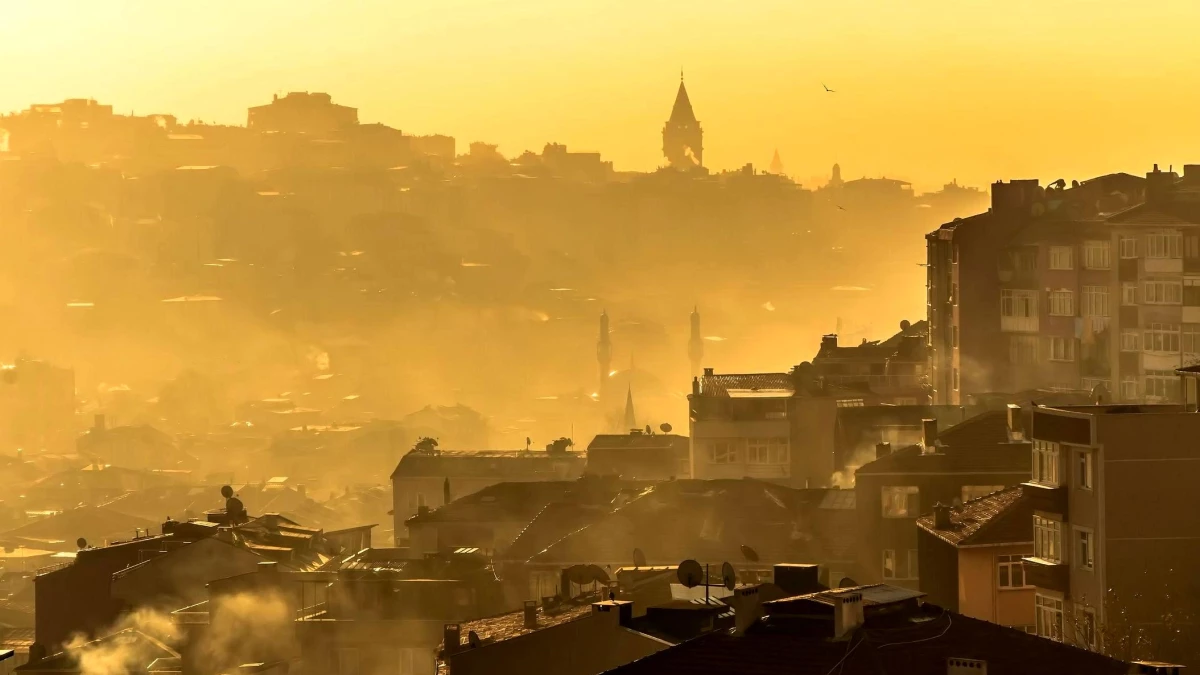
<point x="474" y="337"/>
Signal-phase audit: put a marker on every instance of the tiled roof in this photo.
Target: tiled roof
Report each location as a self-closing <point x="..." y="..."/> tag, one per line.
<point x="909" y="644"/>
<point x="554" y="522"/>
<point x="526" y="464"/>
<point x="512" y="624"/>
<point x="519" y="501"/>
<point x="978" y="445"/>
<point x="989" y="428"/>
<point x="638" y="441"/>
<point x="720" y="384"/>
<point x="1004" y="517"/>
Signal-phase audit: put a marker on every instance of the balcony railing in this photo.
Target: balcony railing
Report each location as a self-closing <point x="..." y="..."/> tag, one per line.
<point x="1047" y="498"/>
<point x="1047" y="574"/>
<point x="1019" y="324"/>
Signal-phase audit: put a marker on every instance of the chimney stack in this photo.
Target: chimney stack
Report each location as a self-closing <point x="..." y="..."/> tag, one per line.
<point x="882" y="450"/>
<point x="929" y="436"/>
<point x="531" y="614"/>
<point x="941" y="516"/>
<point x="451" y="638"/>
<point x="708" y="372"/>
<point x="829" y="341"/>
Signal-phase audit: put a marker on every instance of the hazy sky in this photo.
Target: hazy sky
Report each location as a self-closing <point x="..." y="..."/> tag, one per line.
<point x="926" y="89"/>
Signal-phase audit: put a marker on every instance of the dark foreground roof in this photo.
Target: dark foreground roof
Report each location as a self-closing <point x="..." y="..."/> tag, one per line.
<point x="916" y="643"/>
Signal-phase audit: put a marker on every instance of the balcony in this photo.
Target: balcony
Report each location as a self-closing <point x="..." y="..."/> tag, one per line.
<point x="1047" y="498"/>
<point x="1047" y="574"/>
<point x="1019" y="324"/>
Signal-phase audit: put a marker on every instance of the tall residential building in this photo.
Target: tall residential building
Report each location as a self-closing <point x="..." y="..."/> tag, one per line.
<point x="1116" y="531"/>
<point x="1095" y="286"/>
<point x="683" y="139"/>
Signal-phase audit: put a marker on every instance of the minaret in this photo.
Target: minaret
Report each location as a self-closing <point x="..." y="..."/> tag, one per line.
<point x="604" y="351"/>
<point x="696" y="343"/>
<point x="630" y="417"/>
<point x="683" y="139"/>
<point x="836" y="179"/>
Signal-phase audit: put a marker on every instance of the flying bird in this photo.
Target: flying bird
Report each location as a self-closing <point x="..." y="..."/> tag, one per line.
<point x="828" y="89"/>
<point x="840" y="207"/>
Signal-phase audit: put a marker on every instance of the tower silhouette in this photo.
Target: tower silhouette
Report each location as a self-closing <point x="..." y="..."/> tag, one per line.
<point x="777" y="164"/>
<point x="683" y="139"/>
<point x="696" y="343"/>
<point x="836" y="179"/>
<point x="630" y="417"/>
<point x="604" y="351"/>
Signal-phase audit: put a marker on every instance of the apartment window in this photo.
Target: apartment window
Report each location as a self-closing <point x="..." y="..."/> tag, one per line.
<point x="1062" y="303"/>
<point x="1022" y="349"/>
<point x="1047" y="539"/>
<point x="1164" y="245"/>
<point x="347" y="661"/>
<point x="1018" y="303"/>
<point x="1060" y="258"/>
<point x="1129" y="388"/>
<point x="767" y="451"/>
<point x="954" y="337"/>
<point x="1191" y="292"/>
<point x="1129" y="293"/>
<point x="1162" y="337"/>
<point x="1097" y="255"/>
<point x="1083" y="465"/>
<point x="902" y="566"/>
<point x="1045" y="462"/>
<point x="1191" y="246"/>
<point x="1022" y="259"/>
<point x="1130" y="340"/>
<point x="1095" y="301"/>
<point x="1048" y="613"/>
<point x="1085" y="549"/>
<point x="1162" y="384"/>
<point x="901" y="501"/>
<point x="1087" y="627"/>
<point x="954" y="374"/>
<point x="1010" y="571"/>
<point x="1129" y="247"/>
<point x="1190" y="338"/>
<point x="722" y="452"/>
<point x="1162" y="292"/>
<point x="850" y="403"/>
<point x="1061" y="348"/>
<point x="970" y="492"/>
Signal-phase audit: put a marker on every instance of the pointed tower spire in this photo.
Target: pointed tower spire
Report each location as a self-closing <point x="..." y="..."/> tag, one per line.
<point x="777" y="164"/>
<point x="683" y="139"/>
<point x="630" y="417"/>
<point x="696" y="343"/>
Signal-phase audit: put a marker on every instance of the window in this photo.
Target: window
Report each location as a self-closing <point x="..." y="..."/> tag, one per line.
<point x="1129" y="293"/>
<point x="1190" y="339"/>
<point x="1022" y="349"/>
<point x="1083" y="465"/>
<point x="1162" y="337"/>
<point x="767" y="451"/>
<point x="347" y="661"/>
<point x="1061" y="349"/>
<point x="954" y="374"/>
<point x="1062" y="303"/>
<point x="1191" y="246"/>
<point x="1010" y="571"/>
<point x="1097" y="255"/>
<point x="1022" y="259"/>
<point x="901" y="501"/>
<point x="1048" y="612"/>
<point x="954" y="337"/>
<point x="1095" y="301"/>
<point x="1130" y="340"/>
<point x="1129" y="247"/>
<point x="722" y="452"/>
<point x="1162" y="384"/>
<point x="1086" y="631"/>
<point x="1045" y="462"/>
<point x="850" y="403"/>
<point x="1047" y="539"/>
<point x="970" y="492"/>
<point x="903" y="566"/>
<point x="1164" y="245"/>
<point x="1085" y="549"/>
<point x="1191" y="292"/>
<point x="1018" y="303"/>
<point x="1160" y="292"/>
<point x="1060" y="258"/>
<point x="1129" y="388"/>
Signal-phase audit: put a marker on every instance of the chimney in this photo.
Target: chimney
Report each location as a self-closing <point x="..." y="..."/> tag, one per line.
<point x="451" y="638"/>
<point x="941" y="516"/>
<point x="847" y="613"/>
<point x="531" y="614"/>
<point x="1016" y="196"/>
<point x="747" y="608"/>
<point x="620" y="610"/>
<point x="829" y="342"/>
<point x="797" y="579"/>
<point x="1156" y="668"/>
<point x="301" y="490"/>
<point x="708" y="372"/>
<point x="929" y="436"/>
<point x="695" y="386"/>
<point x="98" y="422"/>
<point x="1158" y="185"/>
<point x="1016" y="424"/>
<point x="965" y="667"/>
<point x="882" y="450"/>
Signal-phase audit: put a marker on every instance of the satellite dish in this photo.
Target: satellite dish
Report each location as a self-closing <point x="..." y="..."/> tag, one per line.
<point x="729" y="576"/>
<point x="473" y="638"/>
<point x="690" y="573"/>
<point x="579" y="575"/>
<point x="81" y="542"/>
<point x="666" y="428"/>
<point x="226" y="491"/>
<point x="639" y="558"/>
<point x="597" y="574"/>
<point x="749" y="553"/>
<point x="847" y="582"/>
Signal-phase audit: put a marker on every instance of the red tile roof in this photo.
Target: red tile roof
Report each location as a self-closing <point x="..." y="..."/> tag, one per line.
<point x="1004" y="517"/>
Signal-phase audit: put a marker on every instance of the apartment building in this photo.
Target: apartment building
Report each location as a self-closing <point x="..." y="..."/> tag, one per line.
<point x="1116" y="531"/>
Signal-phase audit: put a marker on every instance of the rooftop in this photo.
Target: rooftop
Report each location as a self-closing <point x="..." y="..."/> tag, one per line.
<point x="1004" y="517"/>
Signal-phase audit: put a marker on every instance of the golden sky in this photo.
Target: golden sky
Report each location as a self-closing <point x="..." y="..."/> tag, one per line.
<point x="927" y="90"/>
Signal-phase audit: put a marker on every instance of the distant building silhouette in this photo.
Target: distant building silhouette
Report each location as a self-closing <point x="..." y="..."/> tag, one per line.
<point x="683" y="139"/>
<point x="630" y="416"/>
<point x="301" y="112"/>
<point x="604" y="351"/>
<point x="835" y="180"/>
<point x="696" y="344"/>
<point x="776" y="164"/>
